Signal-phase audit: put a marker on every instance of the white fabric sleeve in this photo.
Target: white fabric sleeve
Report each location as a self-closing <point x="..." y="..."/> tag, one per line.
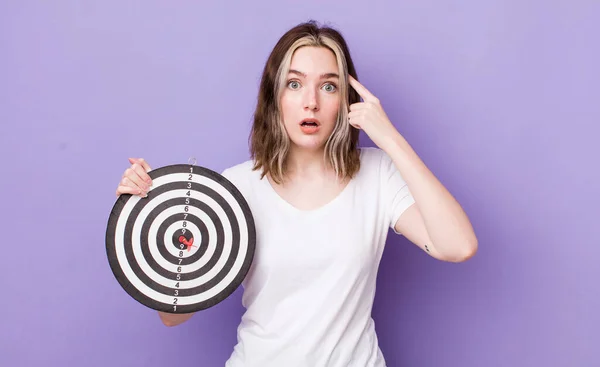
<point x="396" y="195"/>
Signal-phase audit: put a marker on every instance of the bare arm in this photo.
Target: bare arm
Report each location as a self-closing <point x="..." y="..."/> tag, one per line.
<point x="436" y="222"/>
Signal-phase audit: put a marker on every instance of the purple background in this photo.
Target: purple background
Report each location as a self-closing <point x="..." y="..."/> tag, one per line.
<point x="500" y="98"/>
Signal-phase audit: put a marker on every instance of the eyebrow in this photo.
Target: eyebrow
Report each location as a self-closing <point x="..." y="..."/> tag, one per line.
<point x="323" y="76"/>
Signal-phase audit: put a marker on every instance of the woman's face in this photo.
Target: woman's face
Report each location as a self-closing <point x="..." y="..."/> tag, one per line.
<point x="310" y="100"/>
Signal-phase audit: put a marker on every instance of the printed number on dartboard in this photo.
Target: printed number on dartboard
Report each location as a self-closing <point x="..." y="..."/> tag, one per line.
<point x="177" y="277"/>
<point x="182" y="246"/>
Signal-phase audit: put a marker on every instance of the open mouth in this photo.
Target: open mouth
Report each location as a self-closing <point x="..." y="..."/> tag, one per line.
<point x="310" y="123"/>
<point x="310" y="126"/>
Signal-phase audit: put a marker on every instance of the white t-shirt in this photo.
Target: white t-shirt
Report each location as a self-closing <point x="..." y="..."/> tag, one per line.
<point x="309" y="292"/>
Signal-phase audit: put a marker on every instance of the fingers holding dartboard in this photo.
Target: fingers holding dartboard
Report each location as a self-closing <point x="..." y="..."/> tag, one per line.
<point x="186" y="246"/>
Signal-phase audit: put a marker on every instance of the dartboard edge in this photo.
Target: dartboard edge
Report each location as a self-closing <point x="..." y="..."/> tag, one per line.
<point x="185" y="247"/>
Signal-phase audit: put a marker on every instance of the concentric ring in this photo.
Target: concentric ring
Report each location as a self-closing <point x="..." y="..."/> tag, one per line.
<point x="186" y="246"/>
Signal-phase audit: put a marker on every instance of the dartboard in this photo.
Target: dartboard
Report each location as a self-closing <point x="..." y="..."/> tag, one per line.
<point x="187" y="245"/>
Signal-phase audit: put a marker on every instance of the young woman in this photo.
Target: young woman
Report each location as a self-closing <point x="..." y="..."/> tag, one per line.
<point x="323" y="208"/>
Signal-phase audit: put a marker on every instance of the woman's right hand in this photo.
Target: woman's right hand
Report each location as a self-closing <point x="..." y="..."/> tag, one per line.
<point x="135" y="179"/>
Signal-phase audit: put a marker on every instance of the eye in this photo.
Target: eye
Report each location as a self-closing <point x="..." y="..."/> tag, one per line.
<point x="329" y="87"/>
<point x="293" y="84"/>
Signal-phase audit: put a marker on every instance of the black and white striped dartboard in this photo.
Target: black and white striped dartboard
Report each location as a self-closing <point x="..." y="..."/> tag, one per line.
<point x="187" y="245"/>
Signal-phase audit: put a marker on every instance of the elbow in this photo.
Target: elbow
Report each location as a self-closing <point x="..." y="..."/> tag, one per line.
<point x="464" y="251"/>
<point x="167" y="320"/>
<point x="468" y="254"/>
<point x="170" y="320"/>
<point x="169" y="323"/>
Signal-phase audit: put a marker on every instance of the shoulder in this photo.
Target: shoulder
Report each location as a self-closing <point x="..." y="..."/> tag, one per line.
<point x="379" y="170"/>
<point x="374" y="161"/>
<point x="240" y="170"/>
<point x="242" y="175"/>
<point x="371" y="155"/>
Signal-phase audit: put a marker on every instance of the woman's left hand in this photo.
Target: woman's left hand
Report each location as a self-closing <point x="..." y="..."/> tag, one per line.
<point x="370" y="116"/>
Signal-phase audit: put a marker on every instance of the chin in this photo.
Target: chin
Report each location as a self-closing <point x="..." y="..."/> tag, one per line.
<point x="313" y="143"/>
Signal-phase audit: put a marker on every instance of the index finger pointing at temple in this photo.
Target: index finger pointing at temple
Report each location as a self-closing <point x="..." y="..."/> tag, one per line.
<point x="360" y="89"/>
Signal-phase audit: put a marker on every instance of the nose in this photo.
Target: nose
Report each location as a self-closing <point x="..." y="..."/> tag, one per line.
<point x="311" y="100"/>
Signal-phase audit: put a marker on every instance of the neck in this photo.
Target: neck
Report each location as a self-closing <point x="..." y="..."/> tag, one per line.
<point x="307" y="163"/>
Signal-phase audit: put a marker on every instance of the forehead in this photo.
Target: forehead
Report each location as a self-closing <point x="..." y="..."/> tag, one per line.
<point x="314" y="60"/>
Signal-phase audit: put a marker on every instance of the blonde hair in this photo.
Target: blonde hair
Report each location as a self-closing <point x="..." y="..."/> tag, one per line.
<point x="269" y="142"/>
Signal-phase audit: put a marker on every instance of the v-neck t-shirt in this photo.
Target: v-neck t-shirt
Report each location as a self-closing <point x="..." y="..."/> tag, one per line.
<point x="309" y="292"/>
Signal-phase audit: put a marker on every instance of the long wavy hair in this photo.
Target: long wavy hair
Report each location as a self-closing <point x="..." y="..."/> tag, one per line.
<point x="268" y="141"/>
